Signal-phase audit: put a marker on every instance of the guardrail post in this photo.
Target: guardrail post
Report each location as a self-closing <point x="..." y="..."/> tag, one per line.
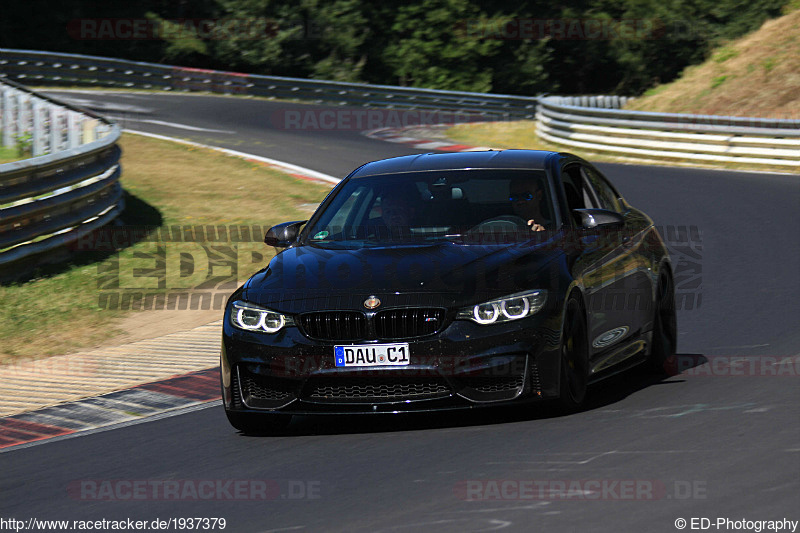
<point x="101" y="130"/>
<point x="89" y="133"/>
<point x="73" y="131"/>
<point x="8" y="117"/>
<point x="37" y="132"/>
<point x="23" y="124"/>
<point x="55" y="129"/>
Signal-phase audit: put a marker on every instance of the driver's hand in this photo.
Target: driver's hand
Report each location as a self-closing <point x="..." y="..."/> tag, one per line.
<point x="534" y="226"/>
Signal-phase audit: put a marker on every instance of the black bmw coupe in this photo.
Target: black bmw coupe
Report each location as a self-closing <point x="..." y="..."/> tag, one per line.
<point x="446" y="281"/>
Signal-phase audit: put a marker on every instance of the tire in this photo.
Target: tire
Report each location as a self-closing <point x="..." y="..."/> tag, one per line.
<point x="258" y="424"/>
<point x="664" y="343"/>
<point x="574" y="377"/>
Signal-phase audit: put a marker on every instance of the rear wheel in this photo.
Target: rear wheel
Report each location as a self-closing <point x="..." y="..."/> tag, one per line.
<point x="574" y="358"/>
<point x="258" y="423"/>
<point x="665" y="330"/>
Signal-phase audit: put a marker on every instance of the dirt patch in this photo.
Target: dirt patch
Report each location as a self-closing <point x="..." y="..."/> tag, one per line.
<point x="755" y="76"/>
<point x="143" y="325"/>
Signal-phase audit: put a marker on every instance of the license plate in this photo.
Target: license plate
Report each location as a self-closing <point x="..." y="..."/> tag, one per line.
<point x="372" y="355"/>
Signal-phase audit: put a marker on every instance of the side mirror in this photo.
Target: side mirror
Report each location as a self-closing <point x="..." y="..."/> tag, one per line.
<point x="283" y="235"/>
<point x="599" y="218"/>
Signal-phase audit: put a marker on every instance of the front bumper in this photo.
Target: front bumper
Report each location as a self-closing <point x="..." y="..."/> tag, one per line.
<point x="465" y="365"/>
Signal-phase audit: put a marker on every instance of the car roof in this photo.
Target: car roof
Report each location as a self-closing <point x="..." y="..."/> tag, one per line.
<point x="527" y="159"/>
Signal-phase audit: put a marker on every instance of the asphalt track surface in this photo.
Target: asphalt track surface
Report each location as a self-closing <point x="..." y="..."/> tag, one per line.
<point x="708" y="443"/>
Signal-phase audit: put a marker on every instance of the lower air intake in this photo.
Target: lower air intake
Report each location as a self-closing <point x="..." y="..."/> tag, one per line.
<point x="265" y="392"/>
<point x="377" y="390"/>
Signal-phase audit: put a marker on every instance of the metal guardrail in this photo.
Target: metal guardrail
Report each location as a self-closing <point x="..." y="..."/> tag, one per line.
<point x="68" y="191"/>
<point x="52" y="199"/>
<point x="597" y="123"/>
<point x="49" y="68"/>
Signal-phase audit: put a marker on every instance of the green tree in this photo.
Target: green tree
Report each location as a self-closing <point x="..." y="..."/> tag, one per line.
<point x="274" y="46"/>
<point x="431" y="47"/>
<point x="183" y="44"/>
<point x="342" y="34"/>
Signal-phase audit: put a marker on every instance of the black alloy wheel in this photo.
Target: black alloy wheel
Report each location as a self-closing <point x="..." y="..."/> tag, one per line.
<point x="665" y="331"/>
<point x="574" y="358"/>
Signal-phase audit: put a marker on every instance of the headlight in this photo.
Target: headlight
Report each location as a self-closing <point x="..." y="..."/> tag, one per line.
<point x="254" y="318"/>
<point x="511" y="307"/>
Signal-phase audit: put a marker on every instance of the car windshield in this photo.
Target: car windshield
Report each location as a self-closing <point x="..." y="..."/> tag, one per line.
<point x="467" y="206"/>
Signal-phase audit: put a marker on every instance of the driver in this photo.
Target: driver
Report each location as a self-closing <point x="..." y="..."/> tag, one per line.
<point x="525" y="196"/>
<point x="397" y="209"/>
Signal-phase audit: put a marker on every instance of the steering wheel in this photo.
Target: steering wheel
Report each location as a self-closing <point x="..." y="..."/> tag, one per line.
<point x="502" y="224"/>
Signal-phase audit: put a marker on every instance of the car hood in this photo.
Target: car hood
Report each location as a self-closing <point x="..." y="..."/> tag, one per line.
<point x="307" y="278"/>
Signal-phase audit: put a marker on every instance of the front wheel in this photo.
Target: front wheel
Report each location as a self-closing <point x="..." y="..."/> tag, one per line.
<point x="574" y="359"/>
<point x="665" y="331"/>
<point x="258" y="423"/>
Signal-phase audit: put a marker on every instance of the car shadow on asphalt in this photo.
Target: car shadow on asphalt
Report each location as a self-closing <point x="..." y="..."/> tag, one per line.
<point x="624" y="384"/>
<point x="602" y="394"/>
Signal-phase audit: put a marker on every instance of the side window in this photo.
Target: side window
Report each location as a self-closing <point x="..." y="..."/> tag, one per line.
<point x="571" y="189"/>
<point x="606" y="196"/>
<point x="578" y="194"/>
<point x="345" y="211"/>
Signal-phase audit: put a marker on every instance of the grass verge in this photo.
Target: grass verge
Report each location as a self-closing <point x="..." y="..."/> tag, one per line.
<point x="8" y="155"/>
<point x="167" y="184"/>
